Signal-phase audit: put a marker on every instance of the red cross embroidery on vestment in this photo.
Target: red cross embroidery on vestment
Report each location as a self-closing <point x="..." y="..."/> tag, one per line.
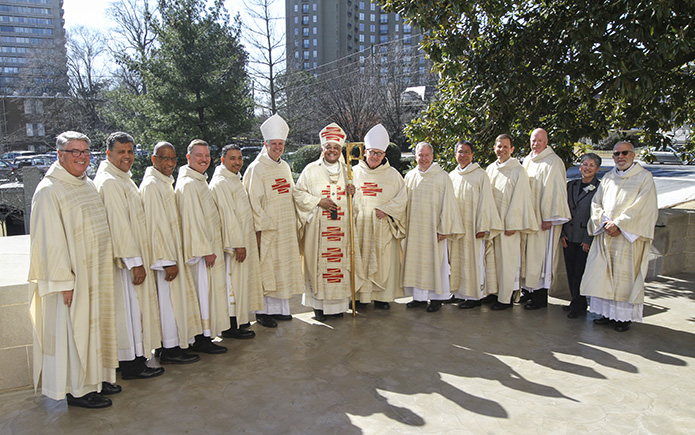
<point x="333" y="275"/>
<point x="333" y="255"/>
<point x="371" y="189"/>
<point x="333" y="234"/>
<point x="281" y="185"/>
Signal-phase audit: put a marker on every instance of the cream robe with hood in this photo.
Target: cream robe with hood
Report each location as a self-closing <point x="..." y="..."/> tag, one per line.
<point x="75" y="347"/>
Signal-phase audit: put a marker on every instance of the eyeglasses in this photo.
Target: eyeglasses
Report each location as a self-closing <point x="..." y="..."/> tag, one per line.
<point x="78" y="153"/>
<point x="167" y="159"/>
<point x="617" y="153"/>
<point x="376" y="153"/>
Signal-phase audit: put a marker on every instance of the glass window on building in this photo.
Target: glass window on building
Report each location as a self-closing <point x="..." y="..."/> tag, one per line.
<point x="406" y="28"/>
<point x="306" y="65"/>
<point x="305" y="43"/>
<point x="383" y="18"/>
<point x="397" y="27"/>
<point x="372" y="28"/>
<point x="296" y="8"/>
<point x="383" y="29"/>
<point x="383" y="39"/>
<point x="372" y="17"/>
<point x="314" y="8"/>
<point x="361" y="47"/>
<point x="372" y="6"/>
<point x="296" y="31"/>
<point x="315" y="53"/>
<point x="314" y="30"/>
<point x="314" y="42"/>
<point x="314" y="18"/>
<point x="361" y="37"/>
<point x="372" y="39"/>
<point x="361" y="27"/>
<point x="306" y="54"/>
<point x="305" y="9"/>
<point x="296" y="20"/>
<point x="305" y="31"/>
<point x="361" y="16"/>
<point x="296" y="55"/>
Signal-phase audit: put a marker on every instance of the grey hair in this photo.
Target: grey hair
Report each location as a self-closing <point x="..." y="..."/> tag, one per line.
<point x="424" y="144"/>
<point x="595" y="157"/>
<point x="161" y="145"/>
<point x="632" y="147"/>
<point x="195" y="142"/>
<point x="66" y="137"/>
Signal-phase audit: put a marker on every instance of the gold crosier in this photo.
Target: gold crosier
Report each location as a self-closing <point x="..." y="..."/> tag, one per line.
<point x="349" y="158"/>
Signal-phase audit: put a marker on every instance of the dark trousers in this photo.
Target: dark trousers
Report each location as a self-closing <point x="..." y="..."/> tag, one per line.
<point x="575" y="262"/>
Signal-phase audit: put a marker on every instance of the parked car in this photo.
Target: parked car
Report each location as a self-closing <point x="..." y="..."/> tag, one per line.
<point x="6" y="171"/>
<point x="14" y="154"/>
<point x="666" y="155"/>
<point x="41" y="162"/>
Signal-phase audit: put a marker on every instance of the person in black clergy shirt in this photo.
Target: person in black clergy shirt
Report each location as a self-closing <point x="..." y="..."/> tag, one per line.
<point x="575" y="238"/>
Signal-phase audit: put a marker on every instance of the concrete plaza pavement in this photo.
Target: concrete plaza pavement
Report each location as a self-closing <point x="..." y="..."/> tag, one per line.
<point x="407" y="371"/>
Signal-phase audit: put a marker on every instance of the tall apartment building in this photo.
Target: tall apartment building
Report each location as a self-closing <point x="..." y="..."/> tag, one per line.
<point x="32" y="68"/>
<point x="321" y="32"/>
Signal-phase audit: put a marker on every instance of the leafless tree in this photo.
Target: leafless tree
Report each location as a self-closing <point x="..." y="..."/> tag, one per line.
<point x="135" y="41"/>
<point x="267" y="53"/>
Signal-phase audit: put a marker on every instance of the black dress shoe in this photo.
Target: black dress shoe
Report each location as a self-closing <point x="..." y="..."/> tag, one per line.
<point x="266" y="320"/>
<point x="415" y="304"/>
<point x="434" y="306"/>
<point x="489" y="299"/>
<point x="282" y="317"/>
<point x="525" y="296"/>
<point x="602" y="321"/>
<point x="359" y="305"/>
<point x="176" y="355"/>
<point x="622" y="326"/>
<point x="565" y="308"/>
<point x="337" y="315"/>
<point x="382" y="305"/>
<point x="531" y="306"/>
<point x="89" y="400"/>
<point x="499" y="306"/>
<point x="239" y="334"/>
<point x="246" y="325"/>
<point x="452" y="300"/>
<point x="318" y="315"/>
<point x="146" y="373"/>
<point x="572" y="315"/>
<point x="108" y="388"/>
<point x="205" y="345"/>
<point x="469" y="303"/>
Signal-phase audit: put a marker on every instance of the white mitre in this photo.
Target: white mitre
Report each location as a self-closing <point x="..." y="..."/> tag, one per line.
<point x="377" y="138"/>
<point x="332" y="133"/>
<point x="274" y="128"/>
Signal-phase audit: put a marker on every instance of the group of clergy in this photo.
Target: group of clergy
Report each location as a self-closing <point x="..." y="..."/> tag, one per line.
<point x="117" y="271"/>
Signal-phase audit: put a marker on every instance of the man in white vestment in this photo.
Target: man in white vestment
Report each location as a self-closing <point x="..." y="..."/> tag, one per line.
<point x="623" y="214"/>
<point x="380" y="225"/>
<point x="244" y="289"/>
<point x="178" y="302"/>
<point x="512" y="194"/>
<point x="432" y="216"/>
<point x="135" y="292"/>
<point x="546" y="173"/>
<point x="472" y="255"/>
<point x="202" y="245"/>
<point x="269" y="183"/>
<point x="71" y="282"/>
<point x="321" y="199"/>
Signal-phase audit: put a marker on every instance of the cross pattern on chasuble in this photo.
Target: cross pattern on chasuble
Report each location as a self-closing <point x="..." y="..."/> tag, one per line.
<point x="333" y="275"/>
<point x="333" y="255"/>
<point x="333" y="234"/>
<point x="371" y="189"/>
<point x="281" y="185"/>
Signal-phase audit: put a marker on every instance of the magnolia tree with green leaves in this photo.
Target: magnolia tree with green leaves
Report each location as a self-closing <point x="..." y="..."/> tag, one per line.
<point x="576" y="68"/>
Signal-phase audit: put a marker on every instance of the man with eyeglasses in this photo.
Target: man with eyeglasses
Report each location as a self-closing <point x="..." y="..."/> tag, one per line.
<point x="135" y="292"/>
<point x="71" y="279"/>
<point x="481" y="224"/>
<point x="321" y="199"/>
<point x="432" y="218"/>
<point x="541" y="250"/>
<point x="178" y="303"/>
<point x="380" y="222"/>
<point x="623" y="214"/>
